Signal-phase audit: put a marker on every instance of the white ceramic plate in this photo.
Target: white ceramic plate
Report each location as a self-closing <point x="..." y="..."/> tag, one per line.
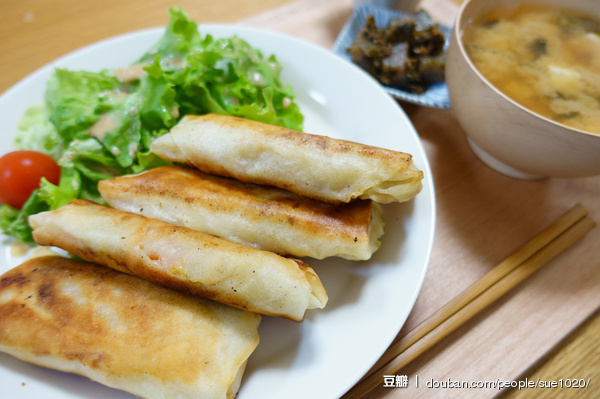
<point x="368" y="301"/>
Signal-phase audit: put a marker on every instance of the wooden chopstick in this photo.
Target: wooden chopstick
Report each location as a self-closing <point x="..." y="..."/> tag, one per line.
<point x="529" y="258"/>
<point x="542" y="239"/>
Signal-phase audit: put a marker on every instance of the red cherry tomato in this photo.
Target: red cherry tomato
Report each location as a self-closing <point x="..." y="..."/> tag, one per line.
<point x="20" y="175"/>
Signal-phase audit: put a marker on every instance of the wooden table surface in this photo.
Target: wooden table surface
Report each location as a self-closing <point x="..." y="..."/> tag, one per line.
<point x="34" y="32"/>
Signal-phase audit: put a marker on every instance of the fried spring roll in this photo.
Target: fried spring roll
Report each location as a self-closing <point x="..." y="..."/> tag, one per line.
<point x="184" y="259"/>
<point x="313" y="166"/>
<point x="267" y="218"/>
<point x="123" y="331"/>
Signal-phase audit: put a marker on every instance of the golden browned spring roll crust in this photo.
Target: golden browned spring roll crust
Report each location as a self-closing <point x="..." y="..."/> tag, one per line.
<point x="123" y="331"/>
<point x="184" y="259"/>
<point x="313" y="166"/>
<point x="267" y="218"/>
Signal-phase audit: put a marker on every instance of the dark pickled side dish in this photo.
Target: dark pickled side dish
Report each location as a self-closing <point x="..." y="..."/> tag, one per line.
<point x="407" y="54"/>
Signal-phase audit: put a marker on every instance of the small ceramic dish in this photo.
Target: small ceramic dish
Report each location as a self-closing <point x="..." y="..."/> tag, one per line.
<point x="436" y="96"/>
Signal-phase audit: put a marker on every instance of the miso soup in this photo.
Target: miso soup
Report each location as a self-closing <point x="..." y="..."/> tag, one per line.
<point x="543" y="57"/>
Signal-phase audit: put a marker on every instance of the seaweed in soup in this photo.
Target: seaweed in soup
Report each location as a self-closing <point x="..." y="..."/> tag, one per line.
<point x="579" y="24"/>
<point x="538" y="47"/>
<point x="490" y="23"/>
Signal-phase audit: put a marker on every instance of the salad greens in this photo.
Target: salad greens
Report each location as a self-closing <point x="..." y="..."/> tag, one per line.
<point x="97" y="126"/>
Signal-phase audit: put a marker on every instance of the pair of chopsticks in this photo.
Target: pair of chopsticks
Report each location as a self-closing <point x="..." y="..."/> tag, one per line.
<point x="542" y="248"/>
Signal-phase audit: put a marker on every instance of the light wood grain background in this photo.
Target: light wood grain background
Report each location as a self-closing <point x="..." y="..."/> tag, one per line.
<point x="482" y="216"/>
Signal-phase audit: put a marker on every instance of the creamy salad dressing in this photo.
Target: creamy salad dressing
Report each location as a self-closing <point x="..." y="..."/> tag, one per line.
<point x="132" y="73"/>
<point x="105" y="124"/>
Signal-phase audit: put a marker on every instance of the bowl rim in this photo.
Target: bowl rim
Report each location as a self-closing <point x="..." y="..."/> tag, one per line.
<point x="456" y="31"/>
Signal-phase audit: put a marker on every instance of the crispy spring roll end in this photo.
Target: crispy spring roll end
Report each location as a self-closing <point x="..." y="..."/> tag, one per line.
<point x="318" y="298"/>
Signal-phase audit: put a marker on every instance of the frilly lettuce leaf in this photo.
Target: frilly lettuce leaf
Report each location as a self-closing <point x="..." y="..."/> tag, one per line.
<point x="228" y="76"/>
<point x="73" y="100"/>
<point x="91" y="159"/>
<point x="69" y="187"/>
<point x="14" y="221"/>
<point x="181" y="35"/>
<point x="159" y="108"/>
<point x="35" y="132"/>
<point x="186" y="73"/>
